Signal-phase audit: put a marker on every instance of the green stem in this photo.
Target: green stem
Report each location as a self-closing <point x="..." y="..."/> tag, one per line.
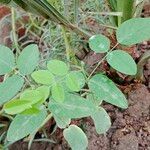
<point x="34" y="133"/>
<point x="15" y="40"/>
<point x="1" y="112"/>
<point x="66" y="10"/>
<point x="140" y="65"/>
<point x="76" y="11"/>
<point x="102" y="61"/>
<point x="67" y="44"/>
<point x="127" y="8"/>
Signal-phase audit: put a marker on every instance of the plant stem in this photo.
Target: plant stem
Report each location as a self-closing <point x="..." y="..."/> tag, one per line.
<point x="140" y="65"/>
<point x="76" y="11"/>
<point x="34" y="133"/>
<point x="126" y="7"/>
<point x="1" y="111"/>
<point x="66" y="11"/>
<point x="67" y="44"/>
<point x="45" y="121"/>
<point x="15" y="40"/>
<point x="101" y="61"/>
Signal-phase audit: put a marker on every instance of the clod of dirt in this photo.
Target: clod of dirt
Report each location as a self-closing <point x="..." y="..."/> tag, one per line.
<point x="139" y="101"/>
<point x="5" y="26"/>
<point x="127" y="142"/>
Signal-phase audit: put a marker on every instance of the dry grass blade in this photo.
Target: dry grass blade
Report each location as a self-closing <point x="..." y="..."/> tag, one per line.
<point x="45" y="9"/>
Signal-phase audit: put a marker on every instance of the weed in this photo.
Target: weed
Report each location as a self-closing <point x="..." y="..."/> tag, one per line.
<point x="36" y="95"/>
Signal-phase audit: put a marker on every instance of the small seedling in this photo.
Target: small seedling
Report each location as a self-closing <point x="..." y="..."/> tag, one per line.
<point x="33" y="95"/>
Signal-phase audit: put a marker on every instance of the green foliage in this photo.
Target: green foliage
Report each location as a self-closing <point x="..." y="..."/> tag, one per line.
<point x="126" y="7"/>
<point x="33" y="96"/>
<point x="134" y="31"/>
<point x="101" y="120"/>
<point x="10" y="87"/>
<point x="44" y="91"/>
<point x="31" y="111"/>
<point x="57" y="67"/>
<point x="74" y="106"/>
<point x="59" y="78"/>
<point x="58" y="93"/>
<point x="63" y="92"/>
<point x="105" y="89"/>
<point x="95" y="100"/>
<point x="75" y="80"/>
<point x="122" y="62"/>
<point x="16" y="106"/>
<point x="28" y="59"/>
<point x="43" y="77"/>
<point x="7" y="60"/>
<point x="76" y="137"/>
<point x="23" y="125"/>
<point x="99" y="43"/>
<point x="62" y="122"/>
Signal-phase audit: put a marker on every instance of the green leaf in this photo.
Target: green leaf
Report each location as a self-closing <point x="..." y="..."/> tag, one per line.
<point x="43" y="77"/>
<point x="99" y="43"/>
<point x="96" y="101"/>
<point x="44" y="91"/>
<point x="16" y="106"/>
<point x="58" y="67"/>
<point x="31" y="111"/>
<point x="28" y="59"/>
<point x="57" y="92"/>
<point x="62" y="122"/>
<point x="101" y="120"/>
<point x="75" y="80"/>
<point x="7" y="60"/>
<point x="122" y="62"/>
<point x="102" y="87"/>
<point x="74" y="106"/>
<point x="33" y="96"/>
<point x="133" y="31"/>
<point x="23" y="125"/>
<point x="10" y="87"/>
<point x="76" y="138"/>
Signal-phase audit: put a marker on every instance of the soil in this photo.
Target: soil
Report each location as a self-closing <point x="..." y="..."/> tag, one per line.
<point x="130" y="128"/>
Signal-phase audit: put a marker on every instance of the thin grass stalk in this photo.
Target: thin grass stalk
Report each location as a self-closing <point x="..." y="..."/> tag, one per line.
<point x="76" y="12"/>
<point x="127" y="8"/>
<point x="43" y="8"/>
